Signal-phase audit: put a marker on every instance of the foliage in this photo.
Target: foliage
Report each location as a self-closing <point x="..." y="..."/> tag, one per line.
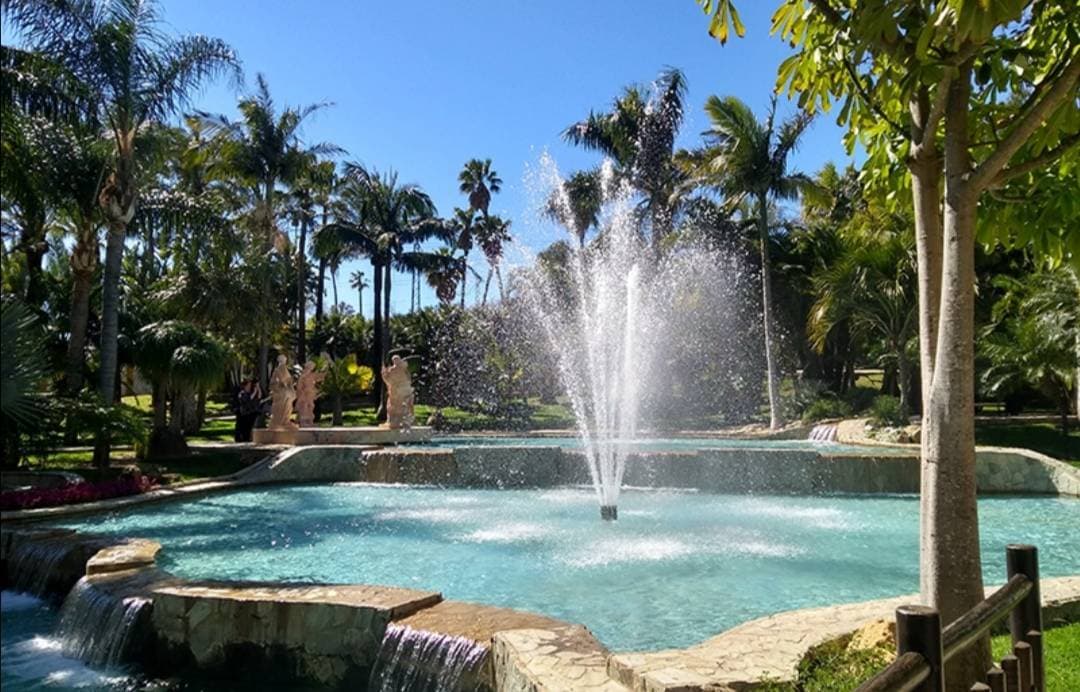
<point x="23" y="368"/>
<point x="344" y="377"/>
<point x="132" y="484"/>
<point x="887" y="411"/>
<point x="826" y="407"/>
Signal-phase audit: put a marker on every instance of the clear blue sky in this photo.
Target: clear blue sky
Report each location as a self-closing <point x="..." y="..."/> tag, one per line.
<point x="422" y="86"/>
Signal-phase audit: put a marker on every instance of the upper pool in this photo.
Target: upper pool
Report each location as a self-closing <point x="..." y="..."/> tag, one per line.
<point x="675" y="569"/>
<point x="666" y="444"/>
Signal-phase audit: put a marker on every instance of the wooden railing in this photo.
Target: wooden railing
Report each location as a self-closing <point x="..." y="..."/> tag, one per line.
<point x="923" y="648"/>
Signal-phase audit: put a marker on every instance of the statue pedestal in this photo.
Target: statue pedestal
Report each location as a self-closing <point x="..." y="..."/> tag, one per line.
<point x="341" y="436"/>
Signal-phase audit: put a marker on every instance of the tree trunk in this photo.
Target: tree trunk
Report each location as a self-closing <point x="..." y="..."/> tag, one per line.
<point x="950" y="566"/>
<point x="903" y="375"/>
<point x="34" y="248"/>
<point x="360" y="301"/>
<point x="301" y="294"/>
<point x="80" y="317"/>
<point x="83" y="261"/>
<point x="380" y="412"/>
<point x="464" y="279"/>
<point x="487" y="285"/>
<point x="337" y="418"/>
<point x="110" y="330"/>
<point x="319" y="293"/>
<point x="775" y="417"/>
<point x="925" y="166"/>
<point x="377" y="328"/>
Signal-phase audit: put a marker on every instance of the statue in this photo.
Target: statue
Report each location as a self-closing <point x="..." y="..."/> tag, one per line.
<point x="399" y="394"/>
<point x="283" y="393"/>
<point x="307" y="390"/>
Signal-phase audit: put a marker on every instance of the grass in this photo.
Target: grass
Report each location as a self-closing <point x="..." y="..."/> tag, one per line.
<point x="1041" y="437"/>
<point x="200" y="464"/>
<point x="832" y="668"/>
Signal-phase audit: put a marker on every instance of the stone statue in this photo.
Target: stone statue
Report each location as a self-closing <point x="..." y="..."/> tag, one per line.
<point x="399" y="394"/>
<point x="307" y="390"/>
<point x="283" y="393"/>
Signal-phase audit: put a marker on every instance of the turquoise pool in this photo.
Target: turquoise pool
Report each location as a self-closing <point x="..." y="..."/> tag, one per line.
<point x="676" y="568"/>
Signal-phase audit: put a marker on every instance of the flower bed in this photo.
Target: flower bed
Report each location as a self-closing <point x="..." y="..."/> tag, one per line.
<point x="30" y="498"/>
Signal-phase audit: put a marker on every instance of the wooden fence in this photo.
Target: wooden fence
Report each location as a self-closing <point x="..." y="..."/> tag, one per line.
<point x="924" y="648"/>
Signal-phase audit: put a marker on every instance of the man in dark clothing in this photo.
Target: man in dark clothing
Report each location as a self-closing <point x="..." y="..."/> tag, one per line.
<point x="246" y="407"/>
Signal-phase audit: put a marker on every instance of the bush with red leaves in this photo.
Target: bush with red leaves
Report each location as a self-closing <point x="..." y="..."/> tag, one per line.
<point x="75" y="493"/>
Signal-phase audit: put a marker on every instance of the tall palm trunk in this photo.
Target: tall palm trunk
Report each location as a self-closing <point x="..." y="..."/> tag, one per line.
<point x="772" y="374"/>
<point x="83" y="260"/>
<point x="301" y="294"/>
<point x="377" y="328"/>
<point x="487" y="285"/>
<point x="950" y="567"/>
<point x="34" y="248"/>
<point x="464" y="279"/>
<point x="360" y="301"/>
<point x="387" y="281"/>
<point x="110" y="329"/>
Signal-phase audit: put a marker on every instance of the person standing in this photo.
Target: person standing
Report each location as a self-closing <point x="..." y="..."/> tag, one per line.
<point x="247" y="409"/>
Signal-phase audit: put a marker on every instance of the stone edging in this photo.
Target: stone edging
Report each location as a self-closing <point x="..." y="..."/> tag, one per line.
<point x="772" y="647"/>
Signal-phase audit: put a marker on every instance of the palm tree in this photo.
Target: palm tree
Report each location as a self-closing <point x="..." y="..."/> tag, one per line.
<point x="871" y="285"/>
<point x="638" y="134"/>
<point x="179" y="359"/>
<point x="264" y="149"/>
<point x="129" y="73"/>
<point x="359" y="282"/>
<point x="576" y="204"/>
<point x="492" y="233"/>
<point x="23" y="369"/>
<point x="479" y="182"/>
<point x="745" y="158"/>
<point x="313" y="177"/>
<point x="443" y="274"/>
<point x="379" y="218"/>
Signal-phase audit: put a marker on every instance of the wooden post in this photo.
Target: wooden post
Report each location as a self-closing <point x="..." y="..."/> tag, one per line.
<point x="1011" y="665"/>
<point x="1027" y="615"/>
<point x="1035" y="640"/>
<point x="918" y="629"/>
<point x="1022" y="651"/>
<point x="995" y="677"/>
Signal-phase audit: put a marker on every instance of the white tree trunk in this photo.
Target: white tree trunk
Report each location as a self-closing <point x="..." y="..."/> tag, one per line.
<point x="950" y="566"/>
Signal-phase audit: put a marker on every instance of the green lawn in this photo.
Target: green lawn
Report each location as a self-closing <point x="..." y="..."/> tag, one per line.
<point x="1041" y="437"/>
<point x="831" y="668"/>
<point x="200" y="464"/>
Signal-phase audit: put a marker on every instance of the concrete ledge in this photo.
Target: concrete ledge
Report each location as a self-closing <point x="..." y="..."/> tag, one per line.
<point x="366" y="435"/>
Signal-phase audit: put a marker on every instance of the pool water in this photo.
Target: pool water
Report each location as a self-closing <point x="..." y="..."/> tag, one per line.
<point x="676" y="568"/>
<point x="668" y="444"/>
<point x="32" y="656"/>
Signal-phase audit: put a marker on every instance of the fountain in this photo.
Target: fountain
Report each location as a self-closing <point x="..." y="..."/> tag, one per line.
<point x="412" y="660"/>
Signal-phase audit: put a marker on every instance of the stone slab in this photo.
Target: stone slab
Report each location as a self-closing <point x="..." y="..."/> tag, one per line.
<point x="365" y="435"/>
<point x="475" y="621"/>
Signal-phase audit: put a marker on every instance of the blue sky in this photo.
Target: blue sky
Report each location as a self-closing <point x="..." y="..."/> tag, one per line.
<point x="423" y="86"/>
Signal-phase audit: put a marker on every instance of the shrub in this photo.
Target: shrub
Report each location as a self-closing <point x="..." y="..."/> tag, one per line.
<point x="886" y="411"/>
<point x="826" y="407"/>
<point x="30" y="498"/>
<point x="861" y="398"/>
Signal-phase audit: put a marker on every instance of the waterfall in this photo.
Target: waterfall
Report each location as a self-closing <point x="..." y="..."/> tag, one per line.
<point x="825" y="432"/>
<point x="412" y="660"/>
<point x="34" y="565"/>
<point x="99" y="627"/>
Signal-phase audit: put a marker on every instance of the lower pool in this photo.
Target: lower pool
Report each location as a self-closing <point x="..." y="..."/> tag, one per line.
<point x="676" y="568"/>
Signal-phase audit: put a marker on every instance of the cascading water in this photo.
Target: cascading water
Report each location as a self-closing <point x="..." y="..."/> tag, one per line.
<point x="34" y="566"/>
<point x="412" y="660"/>
<point x="99" y="627"/>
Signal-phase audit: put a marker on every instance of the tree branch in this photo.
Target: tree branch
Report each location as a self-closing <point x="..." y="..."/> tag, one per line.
<point x="1035" y="162"/>
<point x="874" y="106"/>
<point x="1026" y="122"/>
<point x="937" y="108"/>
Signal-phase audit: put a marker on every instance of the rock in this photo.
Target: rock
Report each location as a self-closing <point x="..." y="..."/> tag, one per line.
<point x="878" y="634"/>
